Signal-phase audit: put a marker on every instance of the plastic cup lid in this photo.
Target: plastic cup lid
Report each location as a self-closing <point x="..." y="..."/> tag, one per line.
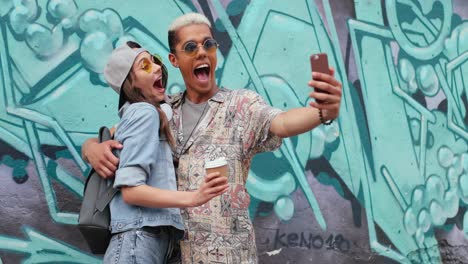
<point x="219" y="162"/>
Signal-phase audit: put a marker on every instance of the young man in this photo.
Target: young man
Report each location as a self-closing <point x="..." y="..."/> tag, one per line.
<point x="211" y="122"/>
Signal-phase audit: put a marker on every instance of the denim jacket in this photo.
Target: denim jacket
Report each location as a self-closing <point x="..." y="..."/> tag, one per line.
<point x="146" y="158"/>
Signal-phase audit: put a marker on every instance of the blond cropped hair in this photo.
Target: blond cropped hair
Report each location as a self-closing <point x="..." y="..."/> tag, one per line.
<point x="182" y="21"/>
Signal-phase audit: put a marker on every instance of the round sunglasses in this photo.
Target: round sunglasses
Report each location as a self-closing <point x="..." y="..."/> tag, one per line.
<point x="191" y="47"/>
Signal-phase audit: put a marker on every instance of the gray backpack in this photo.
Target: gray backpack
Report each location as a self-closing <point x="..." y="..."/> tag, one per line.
<point x="94" y="217"/>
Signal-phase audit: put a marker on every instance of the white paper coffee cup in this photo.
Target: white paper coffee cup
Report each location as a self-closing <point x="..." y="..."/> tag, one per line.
<point x="217" y="165"/>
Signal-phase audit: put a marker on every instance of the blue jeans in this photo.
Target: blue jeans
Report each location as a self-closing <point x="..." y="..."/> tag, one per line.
<point x="138" y="246"/>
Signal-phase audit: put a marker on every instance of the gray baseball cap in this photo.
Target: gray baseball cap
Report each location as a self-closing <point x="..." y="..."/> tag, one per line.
<point x="119" y="65"/>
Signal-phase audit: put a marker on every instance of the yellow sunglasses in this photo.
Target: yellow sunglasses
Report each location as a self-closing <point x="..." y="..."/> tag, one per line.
<point x="147" y="66"/>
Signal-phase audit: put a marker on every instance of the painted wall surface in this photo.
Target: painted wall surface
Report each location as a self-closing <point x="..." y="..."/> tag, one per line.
<point x="386" y="183"/>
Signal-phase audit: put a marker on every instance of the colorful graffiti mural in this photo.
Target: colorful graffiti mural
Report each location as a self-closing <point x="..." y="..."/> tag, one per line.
<point x="398" y="150"/>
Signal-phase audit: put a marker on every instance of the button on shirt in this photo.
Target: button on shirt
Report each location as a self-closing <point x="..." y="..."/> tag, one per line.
<point x="145" y="158"/>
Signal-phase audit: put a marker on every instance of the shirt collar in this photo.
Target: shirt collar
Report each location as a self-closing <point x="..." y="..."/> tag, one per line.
<point x="177" y="99"/>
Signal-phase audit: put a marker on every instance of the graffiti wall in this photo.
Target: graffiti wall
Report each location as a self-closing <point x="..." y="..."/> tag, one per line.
<point x="386" y="183"/>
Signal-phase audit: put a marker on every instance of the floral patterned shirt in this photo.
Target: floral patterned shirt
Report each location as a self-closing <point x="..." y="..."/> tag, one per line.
<point x="236" y="127"/>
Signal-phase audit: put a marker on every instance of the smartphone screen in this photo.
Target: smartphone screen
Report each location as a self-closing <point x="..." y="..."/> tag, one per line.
<point x="319" y="63"/>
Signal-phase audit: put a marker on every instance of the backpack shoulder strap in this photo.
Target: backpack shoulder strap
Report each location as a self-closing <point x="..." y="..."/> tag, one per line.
<point x="104" y="200"/>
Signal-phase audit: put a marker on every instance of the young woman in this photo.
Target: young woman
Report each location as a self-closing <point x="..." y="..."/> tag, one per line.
<point x="145" y="221"/>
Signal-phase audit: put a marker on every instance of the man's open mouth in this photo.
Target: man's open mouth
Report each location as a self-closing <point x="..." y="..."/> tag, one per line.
<point x="202" y="72"/>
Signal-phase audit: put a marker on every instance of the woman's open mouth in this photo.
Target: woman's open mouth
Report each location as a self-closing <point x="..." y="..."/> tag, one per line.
<point x="158" y="85"/>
